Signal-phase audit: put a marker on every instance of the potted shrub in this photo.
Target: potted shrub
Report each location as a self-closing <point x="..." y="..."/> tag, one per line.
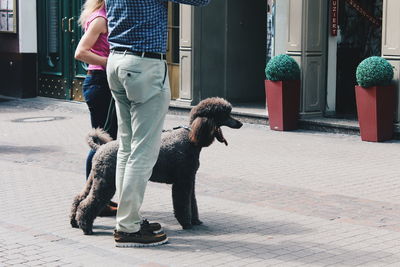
<point x="375" y="98"/>
<point x="282" y="89"/>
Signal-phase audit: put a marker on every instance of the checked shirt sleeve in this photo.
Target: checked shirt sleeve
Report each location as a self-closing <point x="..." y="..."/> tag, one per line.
<point x="190" y="2"/>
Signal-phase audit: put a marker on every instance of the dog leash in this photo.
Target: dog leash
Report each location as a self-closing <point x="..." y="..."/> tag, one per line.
<point x="179" y="127"/>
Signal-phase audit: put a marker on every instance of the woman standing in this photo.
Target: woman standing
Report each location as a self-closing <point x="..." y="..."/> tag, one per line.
<point x="93" y="49"/>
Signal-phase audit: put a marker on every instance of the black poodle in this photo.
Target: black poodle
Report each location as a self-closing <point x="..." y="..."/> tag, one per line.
<point x="177" y="164"/>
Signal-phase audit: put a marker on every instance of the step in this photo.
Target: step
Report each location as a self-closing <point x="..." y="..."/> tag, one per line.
<point x="257" y="114"/>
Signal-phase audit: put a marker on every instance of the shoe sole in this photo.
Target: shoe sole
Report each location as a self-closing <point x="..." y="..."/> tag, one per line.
<point x="161" y="231"/>
<point x="139" y="245"/>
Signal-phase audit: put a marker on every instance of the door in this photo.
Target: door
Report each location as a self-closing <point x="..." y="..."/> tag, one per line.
<point x="391" y="43"/>
<point x="359" y="37"/>
<point x="60" y="75"/>
<point x="173" y="48"/>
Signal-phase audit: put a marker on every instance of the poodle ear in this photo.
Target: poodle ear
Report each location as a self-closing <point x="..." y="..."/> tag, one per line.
<point x="202" y="132"/>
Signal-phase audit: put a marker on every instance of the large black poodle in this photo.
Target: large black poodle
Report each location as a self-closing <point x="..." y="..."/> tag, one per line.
<point x="177" y="164"/>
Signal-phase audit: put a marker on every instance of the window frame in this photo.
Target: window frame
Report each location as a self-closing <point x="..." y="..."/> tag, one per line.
<point x="8" y="11"/>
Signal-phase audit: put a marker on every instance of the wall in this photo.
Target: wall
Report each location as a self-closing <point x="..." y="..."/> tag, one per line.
<point x="281" y="26"/>
<point x="27" y="26"/>
<point x="229" y="50"/>
<point x="391" y="45"/>
<point x="246" y="43"/>
<point x="18" y="54"/>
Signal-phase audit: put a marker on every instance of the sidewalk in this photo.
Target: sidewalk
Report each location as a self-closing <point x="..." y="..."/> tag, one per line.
<point x="270" y="198"/>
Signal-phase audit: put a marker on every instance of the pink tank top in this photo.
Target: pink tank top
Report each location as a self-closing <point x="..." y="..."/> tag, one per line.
<point x="101" y="47"/>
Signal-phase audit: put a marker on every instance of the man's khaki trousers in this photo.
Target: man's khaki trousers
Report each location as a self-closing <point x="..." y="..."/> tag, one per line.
<point x="140" y="87"/>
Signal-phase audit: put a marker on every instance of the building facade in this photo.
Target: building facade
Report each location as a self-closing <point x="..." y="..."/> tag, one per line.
<point x="217" y="50"/>
<point x="212" y="51"/>
<point x="18" y="48"/>
<point x="329" y="39"/>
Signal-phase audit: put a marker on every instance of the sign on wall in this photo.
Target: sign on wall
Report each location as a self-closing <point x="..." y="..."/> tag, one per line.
<point x="8" y="16"/>
<point x="334" y="17"/>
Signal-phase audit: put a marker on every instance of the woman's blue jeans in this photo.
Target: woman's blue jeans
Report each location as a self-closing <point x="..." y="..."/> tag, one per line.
<point x="98" y="98"/>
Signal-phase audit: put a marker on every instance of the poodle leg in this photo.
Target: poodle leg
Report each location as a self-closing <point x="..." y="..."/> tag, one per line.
<point x="195" y="212"/>
<point x="181" y="197"/>
<point x="78" y="199"/>
<point x="85" y="217"/>
<point x="88" y="209"/>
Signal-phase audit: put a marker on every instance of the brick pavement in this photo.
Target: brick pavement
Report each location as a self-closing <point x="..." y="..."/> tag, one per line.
<point x="268" y="199"/>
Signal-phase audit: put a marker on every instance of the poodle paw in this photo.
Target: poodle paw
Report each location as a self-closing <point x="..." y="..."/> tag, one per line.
<point x="197" y="222"/>
<point x="187" y="226"/>
<point x="74" y="224"/>
<point x="87" y="232"/>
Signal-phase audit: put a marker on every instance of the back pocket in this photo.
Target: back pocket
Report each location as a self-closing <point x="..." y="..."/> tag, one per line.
<point x="134" y="87"/>
<point x="141" y="86"/>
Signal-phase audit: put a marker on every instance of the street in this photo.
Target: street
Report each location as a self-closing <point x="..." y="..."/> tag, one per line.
<point x="269" y="198"/>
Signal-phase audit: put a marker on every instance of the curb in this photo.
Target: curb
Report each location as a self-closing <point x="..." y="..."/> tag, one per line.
<point x="328" y="125"/>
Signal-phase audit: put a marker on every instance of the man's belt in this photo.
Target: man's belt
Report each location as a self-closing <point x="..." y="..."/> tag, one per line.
<point x="122" y="50"/>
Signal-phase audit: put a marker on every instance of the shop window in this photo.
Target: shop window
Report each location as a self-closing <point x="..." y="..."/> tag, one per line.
<point x="52" y="25"/>
<point x="8" y="17"/>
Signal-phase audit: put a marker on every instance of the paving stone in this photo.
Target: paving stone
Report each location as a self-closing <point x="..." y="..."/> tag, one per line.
<point x="36" y="263"/>
<point x="268" y="199"/>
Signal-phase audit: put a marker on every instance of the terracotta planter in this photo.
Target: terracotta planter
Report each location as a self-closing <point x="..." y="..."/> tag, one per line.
<point x="375" y="108"/>
<point x="283" y="102"/>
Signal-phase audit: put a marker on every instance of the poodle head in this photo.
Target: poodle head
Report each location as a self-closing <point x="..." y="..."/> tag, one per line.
<point x="207" y="118"/>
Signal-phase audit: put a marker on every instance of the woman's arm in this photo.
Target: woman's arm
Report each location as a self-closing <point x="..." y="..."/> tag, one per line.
<point x="82" y="52"/>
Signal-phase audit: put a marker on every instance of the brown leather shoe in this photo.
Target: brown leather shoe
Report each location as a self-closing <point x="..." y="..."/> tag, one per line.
<point x="142" y="238"/>
<point x="108" y="211"/>
<point x="113" y="204"/>
<point x="151" y="227"/>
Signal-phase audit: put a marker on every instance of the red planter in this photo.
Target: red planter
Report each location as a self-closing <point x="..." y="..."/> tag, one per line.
<point x="375" y="108"/>
<point x="283" y="102"/>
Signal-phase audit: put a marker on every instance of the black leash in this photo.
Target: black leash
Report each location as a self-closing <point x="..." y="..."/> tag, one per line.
<point x="179" y="127"/>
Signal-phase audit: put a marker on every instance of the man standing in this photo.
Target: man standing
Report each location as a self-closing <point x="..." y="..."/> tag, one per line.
<point x="138" y="78"/>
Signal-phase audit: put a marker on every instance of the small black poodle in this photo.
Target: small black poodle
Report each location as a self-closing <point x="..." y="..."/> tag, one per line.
<point x="177" y="164"/>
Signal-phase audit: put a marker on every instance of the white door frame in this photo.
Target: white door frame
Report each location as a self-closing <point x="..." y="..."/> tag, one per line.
<point x="330" y="108"/>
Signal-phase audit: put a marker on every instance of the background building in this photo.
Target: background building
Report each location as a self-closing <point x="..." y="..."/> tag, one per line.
<point x="329" y="39"/>
<point x="213" y="51"/>
<point x="217" y="50"/>
<point x="18" y="48"/>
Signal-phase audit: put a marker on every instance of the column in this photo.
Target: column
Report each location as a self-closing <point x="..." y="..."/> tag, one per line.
<point x="185" y="54"/>
<point x="391" y="43"/>
<point x="307" y="34"/>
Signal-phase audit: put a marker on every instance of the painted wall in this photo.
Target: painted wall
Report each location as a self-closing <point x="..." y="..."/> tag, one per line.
<point x="25" y="41"/>
<point x="281" y="26"/>
<point x="18" y="54"/>
<point x="27" y="26"/>
<point x="229" y="50"/>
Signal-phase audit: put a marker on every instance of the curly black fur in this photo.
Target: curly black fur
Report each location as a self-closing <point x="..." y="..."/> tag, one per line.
<point x="177" y="164"/>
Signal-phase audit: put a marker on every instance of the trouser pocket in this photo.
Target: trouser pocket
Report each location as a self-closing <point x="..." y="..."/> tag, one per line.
<point x="143" y="80"/>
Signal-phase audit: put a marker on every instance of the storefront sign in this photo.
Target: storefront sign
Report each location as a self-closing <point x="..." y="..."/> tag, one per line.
<point x="363" y="12"/>
<point x="334" y="17"/>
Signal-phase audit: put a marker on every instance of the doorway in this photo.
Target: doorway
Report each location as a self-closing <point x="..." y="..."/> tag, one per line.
<point x="60" y="75"/>
<point x="173" y="48"/>
<point x="359" y="37"/>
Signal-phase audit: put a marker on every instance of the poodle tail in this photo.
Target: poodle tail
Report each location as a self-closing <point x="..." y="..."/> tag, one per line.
<point x="98" y="137"/>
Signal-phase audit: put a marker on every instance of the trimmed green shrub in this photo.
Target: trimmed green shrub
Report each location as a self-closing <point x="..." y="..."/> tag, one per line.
<point x="282" y="68"/>
<point x="374" y="71"/>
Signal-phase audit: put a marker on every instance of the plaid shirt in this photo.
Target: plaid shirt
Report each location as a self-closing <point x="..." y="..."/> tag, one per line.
<point x="141" y="25"/>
